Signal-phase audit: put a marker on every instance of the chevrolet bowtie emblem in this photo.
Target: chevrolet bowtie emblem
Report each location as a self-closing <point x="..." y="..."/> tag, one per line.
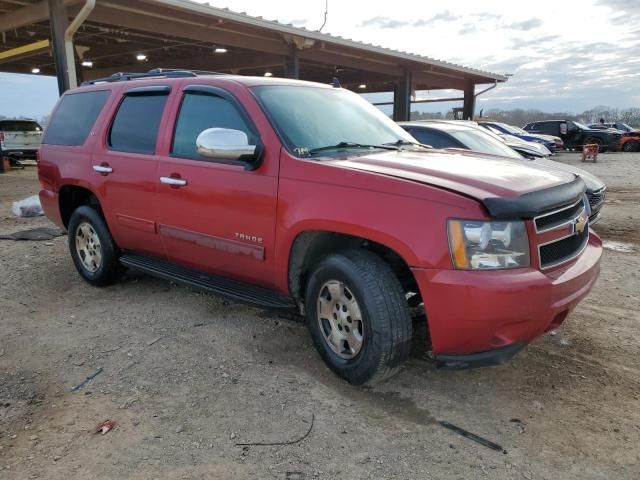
<point x="580" y="223"/>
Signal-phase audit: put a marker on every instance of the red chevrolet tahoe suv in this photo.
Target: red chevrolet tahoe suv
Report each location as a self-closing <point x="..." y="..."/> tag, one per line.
<point x="290" y="194"/>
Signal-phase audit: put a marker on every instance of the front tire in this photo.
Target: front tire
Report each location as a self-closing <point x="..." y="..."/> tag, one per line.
<point x="92" y="249"/>
<point x="358" y="316"/>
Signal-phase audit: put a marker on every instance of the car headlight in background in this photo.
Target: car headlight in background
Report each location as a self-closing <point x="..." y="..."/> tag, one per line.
<point x="479" y="245"/>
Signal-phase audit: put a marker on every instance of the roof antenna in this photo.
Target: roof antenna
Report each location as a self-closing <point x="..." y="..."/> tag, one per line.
<point x="326" y="13"/>
<point x="336" y="83"/>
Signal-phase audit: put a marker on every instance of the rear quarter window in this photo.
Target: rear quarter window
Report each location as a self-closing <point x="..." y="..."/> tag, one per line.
<point x="74" y="118"/>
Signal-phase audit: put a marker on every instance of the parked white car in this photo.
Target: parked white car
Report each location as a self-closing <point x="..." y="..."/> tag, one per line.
<point x="19" y="139"/>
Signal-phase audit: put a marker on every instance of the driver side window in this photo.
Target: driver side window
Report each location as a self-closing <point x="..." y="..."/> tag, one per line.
<point x="199" y="112"/>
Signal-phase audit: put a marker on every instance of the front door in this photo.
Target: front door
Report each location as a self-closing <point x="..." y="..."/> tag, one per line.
<point x="215" y="215"/>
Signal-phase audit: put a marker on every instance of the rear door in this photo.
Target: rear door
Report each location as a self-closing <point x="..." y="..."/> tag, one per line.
<point x="222" y="218"/>
<point x="125" y="168"/>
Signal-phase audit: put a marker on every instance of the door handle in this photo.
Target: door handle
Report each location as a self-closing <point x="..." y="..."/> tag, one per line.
<point x="174" y="182"/>
<point x="102" y="169"/>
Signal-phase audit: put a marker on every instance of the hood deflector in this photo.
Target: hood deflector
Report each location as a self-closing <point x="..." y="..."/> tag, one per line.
<point x="532" y="204"/>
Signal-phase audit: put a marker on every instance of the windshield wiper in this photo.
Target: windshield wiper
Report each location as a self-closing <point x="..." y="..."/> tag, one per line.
<point x="346" y="145"/>
<point x="400" y="143"/>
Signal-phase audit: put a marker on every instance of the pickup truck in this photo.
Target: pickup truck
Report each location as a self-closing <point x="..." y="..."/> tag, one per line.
<point x="298" y="195"/>
<point x="19" y="139"/>
<point x="575" y="135"/>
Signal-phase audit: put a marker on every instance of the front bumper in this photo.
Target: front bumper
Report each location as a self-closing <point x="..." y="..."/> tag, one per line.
<point x="471" y="312"/>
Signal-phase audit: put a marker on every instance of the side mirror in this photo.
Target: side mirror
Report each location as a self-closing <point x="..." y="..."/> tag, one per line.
<point x="225" y="144"/>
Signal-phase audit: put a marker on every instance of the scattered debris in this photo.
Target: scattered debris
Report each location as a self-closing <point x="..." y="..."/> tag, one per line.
<point x="151" y="342"/>
<point x="28" y="207"/>
<point x="34" y="234"/>
<point x="198" y="324"/>
<point x="105" y="427"/>
<point x="623" y="247"/>
<point x="473" y="436"/>
<point x="269" y="444"/>
<point x="521" y="425"/>
<point x="87" y="380"/>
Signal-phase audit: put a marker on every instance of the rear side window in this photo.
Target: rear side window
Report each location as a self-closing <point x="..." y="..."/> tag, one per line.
<point x="74" y="118"/>
<point x="435" y="139"/>
<point x="135" y="126"/>
<point x="199" y="112"/>
<point x="19" y="126"/>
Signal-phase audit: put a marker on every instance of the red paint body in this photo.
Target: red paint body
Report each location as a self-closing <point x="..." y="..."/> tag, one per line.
<point x="242" y="224"/>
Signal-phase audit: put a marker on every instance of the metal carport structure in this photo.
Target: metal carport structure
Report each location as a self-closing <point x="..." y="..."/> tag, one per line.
<point x="137" y="35"/>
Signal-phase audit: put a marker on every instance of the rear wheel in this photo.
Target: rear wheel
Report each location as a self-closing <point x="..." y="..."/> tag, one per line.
<point x="358" y="316"/>
<point x="92" y="249"/>
<point x="633" y="146"/>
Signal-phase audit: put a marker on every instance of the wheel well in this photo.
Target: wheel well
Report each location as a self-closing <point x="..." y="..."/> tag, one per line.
<point x="310" y="247"/>
<point x="71" y="197"/>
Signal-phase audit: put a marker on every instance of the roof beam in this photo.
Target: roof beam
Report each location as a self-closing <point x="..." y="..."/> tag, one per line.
<point x="24" y="51"/>
<point x="37" y="12"/>
<point x="128" y="17"/>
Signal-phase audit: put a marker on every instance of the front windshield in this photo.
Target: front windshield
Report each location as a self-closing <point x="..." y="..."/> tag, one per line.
<point x="516" y="130"/>
<point x="310" y="118"/>
<point x="581" y="126"/>
<point x="626" y="127"/>
<point x="479" y="141"/>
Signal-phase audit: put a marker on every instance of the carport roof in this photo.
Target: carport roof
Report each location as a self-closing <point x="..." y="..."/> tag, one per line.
<point x="181" y="33"/>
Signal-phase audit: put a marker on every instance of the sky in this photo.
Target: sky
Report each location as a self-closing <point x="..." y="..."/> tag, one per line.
<point x="564" y="55"/>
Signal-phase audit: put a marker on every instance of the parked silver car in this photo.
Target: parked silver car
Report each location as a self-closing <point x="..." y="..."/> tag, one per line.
<point x="470" y="136"/>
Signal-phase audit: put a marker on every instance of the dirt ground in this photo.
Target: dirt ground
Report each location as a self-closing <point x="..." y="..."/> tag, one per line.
<point x="187" y="376"/>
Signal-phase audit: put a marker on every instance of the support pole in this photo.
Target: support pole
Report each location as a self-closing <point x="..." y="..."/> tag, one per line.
<point x="59" y="22"/>
<point x="469" y="102"/>
<point x="402" y="98"/>
<point x="292" y="64"/>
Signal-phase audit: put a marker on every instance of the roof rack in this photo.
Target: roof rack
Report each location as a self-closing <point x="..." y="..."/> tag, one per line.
<point x="154" y="73"/>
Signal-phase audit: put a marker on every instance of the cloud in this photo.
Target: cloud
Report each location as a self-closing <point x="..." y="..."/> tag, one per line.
<point x="525" y="25"/>
<point x="467" y="29"/>
<point x="386" y="22"/>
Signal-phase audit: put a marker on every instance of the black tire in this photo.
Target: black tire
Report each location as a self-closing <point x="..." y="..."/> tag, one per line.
<point x="108" y="269"/>
<point x="633" y="146"/>
<point x="386" y="321"/>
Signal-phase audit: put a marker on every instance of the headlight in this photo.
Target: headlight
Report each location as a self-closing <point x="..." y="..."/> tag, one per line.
<point x="478" y="245"/>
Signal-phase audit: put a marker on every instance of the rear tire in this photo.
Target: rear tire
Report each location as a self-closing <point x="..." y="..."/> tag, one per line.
<point x="633" y="146"/>
<point x="92" y="249"/>
<point x="352" y="284"/>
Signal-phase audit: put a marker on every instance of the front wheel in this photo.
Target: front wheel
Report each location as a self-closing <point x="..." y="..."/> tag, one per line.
<point x="92" y="249"/>
<point x="358" y="316"/>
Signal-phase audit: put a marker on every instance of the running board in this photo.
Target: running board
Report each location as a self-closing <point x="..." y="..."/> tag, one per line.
<point x="231" y="289"/>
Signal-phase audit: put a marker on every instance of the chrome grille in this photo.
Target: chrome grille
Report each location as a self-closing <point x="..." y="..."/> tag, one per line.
<point x="596" y="198"/>
<point x="563" y="250"/>
<point x="570" y="242"/>
<point x="557" y="218"/>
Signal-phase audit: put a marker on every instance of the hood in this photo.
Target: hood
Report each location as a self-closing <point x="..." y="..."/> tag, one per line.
<point x="532" y="148"/>
<point x="470" y="173"/>
<point x="592" y="182"/>
<point x="548" y="138"/>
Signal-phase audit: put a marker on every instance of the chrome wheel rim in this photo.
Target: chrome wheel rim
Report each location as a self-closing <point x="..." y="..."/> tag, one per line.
<point x="88" y="247"/>
<point x="340" y="319"/>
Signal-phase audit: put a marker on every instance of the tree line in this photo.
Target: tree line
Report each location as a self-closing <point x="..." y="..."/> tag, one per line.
<point x="520" y="117"/>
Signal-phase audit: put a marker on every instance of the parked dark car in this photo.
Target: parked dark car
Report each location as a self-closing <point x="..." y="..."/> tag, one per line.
<point x="469" y="136"/>
<point x="523" y="134"/>
<point x="623" y="127"/>
<point x="630" y="141"/>
<point x="575" y="134"/>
